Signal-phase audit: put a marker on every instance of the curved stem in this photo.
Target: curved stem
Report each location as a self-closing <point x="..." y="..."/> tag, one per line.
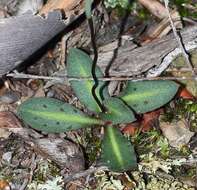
<point x="93" y="69"/>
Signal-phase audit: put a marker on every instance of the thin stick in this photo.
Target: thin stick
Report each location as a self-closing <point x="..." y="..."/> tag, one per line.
<point x="181" y="70"/>
<point x="178" y="39"/>
<point x="61" y="79"/>
<point x="85" y="173"/>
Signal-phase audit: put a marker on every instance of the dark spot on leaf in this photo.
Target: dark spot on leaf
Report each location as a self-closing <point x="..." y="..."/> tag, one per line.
<point x="145" y="102"/>
<point x="35" y="118"/>
<point x="44" y="106"/>
<point x="45" y="125"/>
<point x="134" y="89"/>
<point x="61" y="109"/>
<point x="75" y="111"/>
<point x="58" y="123"/>
<point x="134" y="105"/>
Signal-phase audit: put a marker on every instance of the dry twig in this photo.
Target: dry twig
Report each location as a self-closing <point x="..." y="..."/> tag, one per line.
<point x="61" y="79"/>
<point x="178" y="39"/>
<point x="85" y="173"/>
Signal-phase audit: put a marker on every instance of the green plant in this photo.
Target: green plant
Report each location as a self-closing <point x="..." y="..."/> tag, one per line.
<point x="51" y="115"/>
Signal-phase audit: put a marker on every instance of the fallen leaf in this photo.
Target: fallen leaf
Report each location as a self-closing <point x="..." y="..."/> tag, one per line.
<point x="131" y="128"/>
<point x="177" y="133"/>
<point x="8" y="121"/>
<point x="149" y="119"/>
<point x="4" y="185"/>
<point x="185" y="94"/>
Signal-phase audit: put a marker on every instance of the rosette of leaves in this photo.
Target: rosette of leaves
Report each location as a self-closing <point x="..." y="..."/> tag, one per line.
<point x="54" y="116"/>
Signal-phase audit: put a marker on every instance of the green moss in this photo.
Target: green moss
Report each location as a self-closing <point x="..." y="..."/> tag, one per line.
<point x="185" y="151"/>
<point x="45" y="168"/>
<point x="152" y="141"/>
<point x="93" y="145"/>
<point x="184" y="109"/>
<point x="185" y="11"/>
<point x="163" y="146"/>
<point x="6" y="175"/>
<point x="54" y="169"/>
<point x="183" y="171"/>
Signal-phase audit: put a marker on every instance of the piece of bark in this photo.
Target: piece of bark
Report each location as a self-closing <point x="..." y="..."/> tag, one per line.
<point x="155" y="7"/>
<point x="64" y="153"/>
<point x="23" y="35"/>
<point x="162" y="28"/>
<point x="8" y="120"/>
<point x="132" y="60"/>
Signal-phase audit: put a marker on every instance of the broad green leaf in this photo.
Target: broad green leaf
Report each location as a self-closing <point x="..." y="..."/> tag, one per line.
<point x="117" y="111"/>
<point x="79" y="65"/>
<point x="145" y="96"/>
<point x="51" y="115"/>
<point x="117" y="151"/>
